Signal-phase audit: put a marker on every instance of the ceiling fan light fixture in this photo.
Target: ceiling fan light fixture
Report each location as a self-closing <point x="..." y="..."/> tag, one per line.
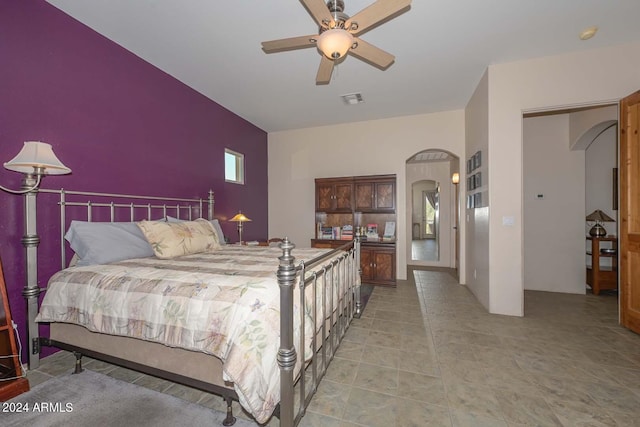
<point x="335" y="43"/>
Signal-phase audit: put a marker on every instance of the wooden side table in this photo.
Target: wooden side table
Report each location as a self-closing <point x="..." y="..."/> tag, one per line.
<point x="601" y="277"/>
<point x="13" y="381"/>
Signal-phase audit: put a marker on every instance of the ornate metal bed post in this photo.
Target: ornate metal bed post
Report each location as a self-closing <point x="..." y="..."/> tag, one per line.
<point x="210" y="205"/>
<point x="287" y="353"/>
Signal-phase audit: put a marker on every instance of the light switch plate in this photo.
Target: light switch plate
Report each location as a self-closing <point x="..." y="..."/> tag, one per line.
<point x="508" y="221"/>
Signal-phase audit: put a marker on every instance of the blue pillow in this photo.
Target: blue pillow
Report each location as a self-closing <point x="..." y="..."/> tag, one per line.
<point x="219" y="232"/>
<point x="106" y="242"/>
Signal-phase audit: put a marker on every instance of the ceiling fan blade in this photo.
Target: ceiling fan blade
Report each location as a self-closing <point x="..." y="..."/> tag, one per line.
<point x="371" y="54"/>
<point x="324" y="71"/>
<point x="292" y="43"/>
<point x="376" y="14"/>
<point x="318" y="11"/>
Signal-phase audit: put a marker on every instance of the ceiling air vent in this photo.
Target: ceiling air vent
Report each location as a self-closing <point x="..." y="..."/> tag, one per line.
<point x="352" y="98"/>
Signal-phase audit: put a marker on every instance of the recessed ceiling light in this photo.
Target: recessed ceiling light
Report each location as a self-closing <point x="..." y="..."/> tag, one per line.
<point x="588" y="33"/>
<point x="352" y="98"/>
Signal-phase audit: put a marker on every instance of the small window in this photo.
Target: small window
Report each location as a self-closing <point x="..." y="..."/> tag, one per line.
<point x="233" y="166"/>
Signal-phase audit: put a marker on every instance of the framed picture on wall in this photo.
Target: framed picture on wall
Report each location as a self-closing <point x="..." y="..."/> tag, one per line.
<point x="477" y="200"/>
<point x="469" y="165"/>
<point x="470" y="183"/>
<point x="477" y="180"/>
<point x="477" y="160"/>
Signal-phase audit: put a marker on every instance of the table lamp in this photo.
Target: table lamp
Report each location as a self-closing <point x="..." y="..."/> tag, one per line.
<point x="240" y="218"/>
<point x="599" y="217"/>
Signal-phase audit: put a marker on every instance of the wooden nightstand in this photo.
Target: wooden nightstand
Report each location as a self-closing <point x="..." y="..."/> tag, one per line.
<point x="601" y="277"/>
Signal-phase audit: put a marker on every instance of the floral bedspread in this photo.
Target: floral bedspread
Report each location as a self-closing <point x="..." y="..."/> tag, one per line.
<point x="225" y="303"/>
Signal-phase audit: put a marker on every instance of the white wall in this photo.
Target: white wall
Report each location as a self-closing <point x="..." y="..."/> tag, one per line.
<point x="601" y="158"/>
<point x="600" y="161"/>
<point x="584" y="124"/>
<point x="554" y="200"/>
<point x="588" y="77"/>
<point x="296" y="157"/>
<point x="476" y="221"/>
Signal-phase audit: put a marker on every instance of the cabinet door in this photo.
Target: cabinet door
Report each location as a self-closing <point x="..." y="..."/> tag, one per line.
<point x="385" y="193"/>
<point x="364" y="196"/>
<point x="375" y="196"/>
<point x="324" y="197"/>
<point x="366" y="265"/>
<point x="384" y="262"/>
<point x="343" y="196"/>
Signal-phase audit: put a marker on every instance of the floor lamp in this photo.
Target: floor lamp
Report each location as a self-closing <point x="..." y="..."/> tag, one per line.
<point x="34" y="160"/>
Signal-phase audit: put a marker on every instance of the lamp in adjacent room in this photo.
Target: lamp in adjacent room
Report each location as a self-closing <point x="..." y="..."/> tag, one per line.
<point x="35" y="160"/>
<point x="455" y="178"/>
<point x="598" y="217"/>
<point x="240" y="218"/>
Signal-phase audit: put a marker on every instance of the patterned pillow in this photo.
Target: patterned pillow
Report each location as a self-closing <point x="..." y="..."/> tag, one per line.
<point x="173" y="239"/>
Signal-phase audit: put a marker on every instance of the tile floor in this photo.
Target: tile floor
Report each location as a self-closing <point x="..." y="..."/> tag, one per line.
<point x="427" y="354"/>
<point x="424" y="250"/>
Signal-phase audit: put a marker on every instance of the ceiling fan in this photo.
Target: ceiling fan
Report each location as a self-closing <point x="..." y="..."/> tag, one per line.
<point x="338" y="34"/>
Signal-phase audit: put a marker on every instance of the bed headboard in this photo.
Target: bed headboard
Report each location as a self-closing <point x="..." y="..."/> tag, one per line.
<point x="109" y="207"/>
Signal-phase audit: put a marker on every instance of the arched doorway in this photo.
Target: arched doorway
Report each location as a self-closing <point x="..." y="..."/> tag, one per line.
<point x="432" y="209"/>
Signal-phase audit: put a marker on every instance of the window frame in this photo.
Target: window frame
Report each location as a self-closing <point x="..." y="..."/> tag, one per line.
<point x="239" y="167"/>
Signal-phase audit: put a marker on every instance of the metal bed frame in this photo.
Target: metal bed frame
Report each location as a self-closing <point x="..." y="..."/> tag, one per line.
<point x="345" y="270"/>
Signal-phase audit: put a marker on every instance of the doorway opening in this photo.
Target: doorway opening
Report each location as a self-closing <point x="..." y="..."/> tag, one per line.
<point x="424" y="216"/>
<point x="432" y="209"/>
<point x="569" y="171"/>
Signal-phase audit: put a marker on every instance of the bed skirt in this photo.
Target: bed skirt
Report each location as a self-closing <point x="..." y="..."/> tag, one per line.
<point x="189" y="364"/>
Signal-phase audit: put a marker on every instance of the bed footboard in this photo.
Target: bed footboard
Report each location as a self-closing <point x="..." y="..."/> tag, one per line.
<point x="341" y="275"/>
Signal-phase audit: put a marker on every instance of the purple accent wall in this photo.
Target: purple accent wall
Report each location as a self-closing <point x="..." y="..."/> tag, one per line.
<point x="120" y="124"/>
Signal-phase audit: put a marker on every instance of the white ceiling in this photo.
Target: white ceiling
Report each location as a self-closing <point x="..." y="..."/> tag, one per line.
<point x="442" y="48"/>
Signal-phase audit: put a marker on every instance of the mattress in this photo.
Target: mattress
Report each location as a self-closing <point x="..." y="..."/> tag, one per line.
<point x="223" y="303"/>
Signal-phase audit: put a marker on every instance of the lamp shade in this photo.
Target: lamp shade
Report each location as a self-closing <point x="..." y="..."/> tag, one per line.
<point x="37" y="154"/>
<point x="335" y="43"/>
<point x="455" y="178"/>
<point x="240" y="217"/>
<point x="599" y="216"/>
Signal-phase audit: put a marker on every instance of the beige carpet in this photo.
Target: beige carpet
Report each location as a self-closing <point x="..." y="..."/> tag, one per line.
<point x="93" y="399"/>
